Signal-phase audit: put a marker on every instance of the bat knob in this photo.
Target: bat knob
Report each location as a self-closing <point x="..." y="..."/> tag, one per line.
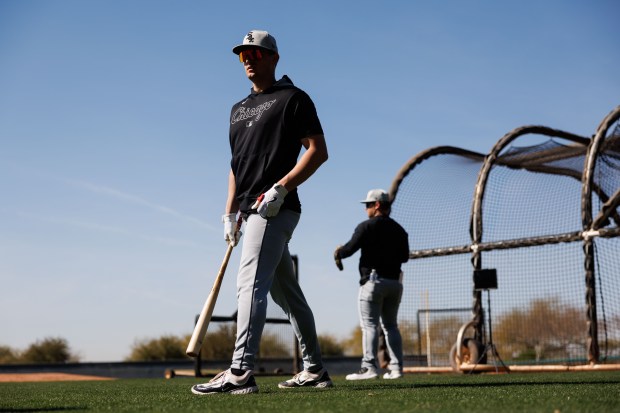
<point x="258" y="201"/>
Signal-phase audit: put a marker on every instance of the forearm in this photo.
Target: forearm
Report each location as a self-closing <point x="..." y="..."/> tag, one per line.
<point x="353" y="245"/>
<point x="314" y="156"/>
<point x="232" y="205"/>
<point x="348" y="249"/>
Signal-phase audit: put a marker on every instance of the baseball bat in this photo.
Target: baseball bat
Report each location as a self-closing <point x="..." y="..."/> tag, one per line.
<point x="200" y="329"/>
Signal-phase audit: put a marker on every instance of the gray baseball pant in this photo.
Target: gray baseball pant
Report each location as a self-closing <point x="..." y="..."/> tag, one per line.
<point x="378" y="303"/>
<point x="266" y="267"/>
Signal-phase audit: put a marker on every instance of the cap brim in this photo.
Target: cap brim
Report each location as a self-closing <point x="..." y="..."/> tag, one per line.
<point x="240" y="48"/>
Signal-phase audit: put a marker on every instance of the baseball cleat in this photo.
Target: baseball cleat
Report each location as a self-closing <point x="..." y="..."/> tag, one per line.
<point x="393" y="374"/>
<point x="226" y="382"/>
<point x="306" y="379"/>
<point x="364" y="373"/>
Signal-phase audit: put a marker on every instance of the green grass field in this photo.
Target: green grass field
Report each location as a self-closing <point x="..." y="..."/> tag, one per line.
<point x="546" y="392"/>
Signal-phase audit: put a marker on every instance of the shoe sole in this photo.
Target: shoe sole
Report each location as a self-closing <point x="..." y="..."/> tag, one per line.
<point x="321" y="385"/>
<point x="362" y="378"/>
<point x="246" y="390"/>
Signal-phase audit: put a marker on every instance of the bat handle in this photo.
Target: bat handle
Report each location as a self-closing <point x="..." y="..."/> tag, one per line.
<point x="258" y="201"/>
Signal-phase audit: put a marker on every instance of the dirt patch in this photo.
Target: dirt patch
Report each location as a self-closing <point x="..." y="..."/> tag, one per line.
<point x="34" y="377"/>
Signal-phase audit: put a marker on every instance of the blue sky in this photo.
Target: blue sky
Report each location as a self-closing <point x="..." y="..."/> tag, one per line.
<point x="114" y="138"/>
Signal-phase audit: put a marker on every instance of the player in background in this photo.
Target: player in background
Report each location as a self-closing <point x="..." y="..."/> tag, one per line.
<point x="385" y="246"/>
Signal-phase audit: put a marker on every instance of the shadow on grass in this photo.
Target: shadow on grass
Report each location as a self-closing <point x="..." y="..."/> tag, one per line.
<point x="377" y="386"/>
<point x="41" y="409"/>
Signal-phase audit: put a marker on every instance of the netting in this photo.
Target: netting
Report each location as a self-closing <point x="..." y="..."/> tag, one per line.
<point x="519" y="210"/>
<point x="436" y="302"/>
<point x="608" y="283"/>
<point x="606" y="214"/>
<point x="606" y="176"/>
<point x="429" y="203"/>
<point x="437" y="290"/>
<point x="538" y="309"/>
<point x="523" y="204"/>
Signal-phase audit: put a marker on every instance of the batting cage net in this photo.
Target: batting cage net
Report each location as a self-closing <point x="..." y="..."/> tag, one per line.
<point x="541" y="212"/>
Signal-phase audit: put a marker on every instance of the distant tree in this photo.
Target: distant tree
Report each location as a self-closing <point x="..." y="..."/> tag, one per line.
<point x="8" y="355"/>
<point x="441" y="334"/>
<point x="271" y="345"/>
<point x="612" y="345"/>
<point x="352" y="345"/>
<point x="546" y="328"/>
<point x="167" y="347"/>
<point x="48" y="350"/>
<point x="330" y="345"/>
<point x="219" y="344"/>
<point x="409" y="333"/>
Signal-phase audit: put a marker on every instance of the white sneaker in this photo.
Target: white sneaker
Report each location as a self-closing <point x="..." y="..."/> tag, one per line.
<point x="226" y="382"/>
<point x="365" y="373"/>
<point x="393" y="374"/>
<point x="306" y="379"/>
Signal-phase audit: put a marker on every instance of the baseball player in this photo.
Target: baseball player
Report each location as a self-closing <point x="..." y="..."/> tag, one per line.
<point x="268" y="129"/>
<point x="385" y="246"/>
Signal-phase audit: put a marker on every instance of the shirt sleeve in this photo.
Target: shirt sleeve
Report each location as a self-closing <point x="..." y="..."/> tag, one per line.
<point x="405" y="247"/>
<point x="306" y="121"/>
<point x="354" y="244"/>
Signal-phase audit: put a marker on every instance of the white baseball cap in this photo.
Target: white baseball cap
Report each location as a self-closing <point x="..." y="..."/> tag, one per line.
<point x="257" y="38"/>
<point x="375" y="195"/>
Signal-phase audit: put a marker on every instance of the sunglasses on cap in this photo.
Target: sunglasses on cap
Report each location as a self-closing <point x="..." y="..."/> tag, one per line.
<point x="252" y="54"/>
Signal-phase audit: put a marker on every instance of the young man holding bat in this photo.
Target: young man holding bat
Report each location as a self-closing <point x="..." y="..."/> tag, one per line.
<point x="267" y="131"/>
<point x="385" y="246"/>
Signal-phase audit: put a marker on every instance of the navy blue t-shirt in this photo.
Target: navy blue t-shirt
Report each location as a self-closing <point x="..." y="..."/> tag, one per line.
<point x="266" y="130"/>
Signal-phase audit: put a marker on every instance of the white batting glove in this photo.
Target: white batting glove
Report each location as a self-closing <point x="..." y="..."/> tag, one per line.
<point x="269" y="203"/>
<point x="231" y="235"/>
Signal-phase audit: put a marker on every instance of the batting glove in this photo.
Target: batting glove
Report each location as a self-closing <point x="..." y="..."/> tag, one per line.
<point x="231" y="234"/>
<point x="337" y="258"/>
<point x="269" y="203"/>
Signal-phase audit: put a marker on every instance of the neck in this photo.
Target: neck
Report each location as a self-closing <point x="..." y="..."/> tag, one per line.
<point x="260" y="86"/>
<point x="381" y="213"/>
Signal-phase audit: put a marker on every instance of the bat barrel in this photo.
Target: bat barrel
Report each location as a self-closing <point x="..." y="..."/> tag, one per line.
<point x="200" y="329"/>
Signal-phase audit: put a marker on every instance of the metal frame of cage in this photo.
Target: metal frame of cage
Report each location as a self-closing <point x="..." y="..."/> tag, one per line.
<point x="592" y="227"/>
